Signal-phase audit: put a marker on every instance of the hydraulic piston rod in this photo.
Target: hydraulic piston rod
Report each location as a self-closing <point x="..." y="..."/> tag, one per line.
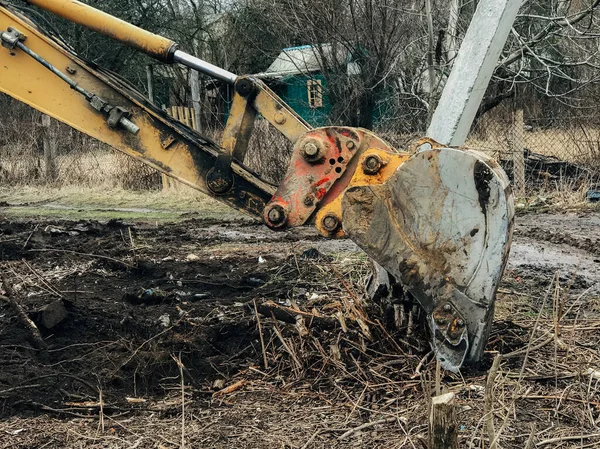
<point x="204" y="67"/>
<point x="158" y="47"/>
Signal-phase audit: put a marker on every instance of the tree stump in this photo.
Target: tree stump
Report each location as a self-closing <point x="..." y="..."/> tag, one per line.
<point x="443" y="427"/>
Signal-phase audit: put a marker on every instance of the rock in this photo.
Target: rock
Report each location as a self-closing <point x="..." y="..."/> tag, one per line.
<point x="52" y="314"/>
<point x="311" y="254"/>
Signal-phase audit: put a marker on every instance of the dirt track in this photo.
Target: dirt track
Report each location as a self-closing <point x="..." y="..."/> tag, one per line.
<point x="138" y="295"/>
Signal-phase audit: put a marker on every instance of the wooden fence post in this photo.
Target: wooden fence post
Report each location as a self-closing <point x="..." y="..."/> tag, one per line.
<point x="150" y="80"/>
<point x="49" y="144"/>
<point x="518" y="154"/>
<point x="443" y="427"/>
<point x="196" y="99"/>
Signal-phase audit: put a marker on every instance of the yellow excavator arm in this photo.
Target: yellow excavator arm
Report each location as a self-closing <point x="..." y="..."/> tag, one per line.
<point x="438" y="219"/>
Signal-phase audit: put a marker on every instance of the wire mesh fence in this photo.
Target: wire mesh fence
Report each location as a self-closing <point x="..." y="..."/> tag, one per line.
<point x="541" y="151"/>
<point x="546" y="152"/>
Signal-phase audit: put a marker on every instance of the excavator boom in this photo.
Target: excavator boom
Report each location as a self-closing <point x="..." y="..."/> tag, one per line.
<point x="438" y="219"/>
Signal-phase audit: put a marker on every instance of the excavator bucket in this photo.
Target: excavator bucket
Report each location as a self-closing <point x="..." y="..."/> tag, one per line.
<point x="441" y="224"/>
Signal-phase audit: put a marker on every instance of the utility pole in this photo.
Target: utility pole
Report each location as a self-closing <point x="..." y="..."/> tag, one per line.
<point x="472" y="71"/>
<point x="430" y="57"/>
<point x="196" y="97"/>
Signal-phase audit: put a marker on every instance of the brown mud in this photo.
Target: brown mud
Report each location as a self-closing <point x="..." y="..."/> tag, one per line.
<point x="139" y="296"/>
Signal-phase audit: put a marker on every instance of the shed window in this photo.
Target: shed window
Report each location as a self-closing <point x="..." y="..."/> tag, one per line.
<point x="315" y="93"/>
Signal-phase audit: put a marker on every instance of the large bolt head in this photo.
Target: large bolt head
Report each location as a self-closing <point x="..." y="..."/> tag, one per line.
<point x="372" y="165"/>
<point x="441" y="321"/>
<point x="244" y="87"/>
<point x="280" y="118"/>
<point x="330" y="223"/>
<point x="218" y="182"/>
<point x="311" y="150"/>
<point x="276" y="215"/>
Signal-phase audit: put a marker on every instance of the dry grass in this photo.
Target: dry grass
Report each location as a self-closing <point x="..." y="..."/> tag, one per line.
<point x="546" y="389"/>
<point x="100" y="167"/>
<point x="93" y="164"/>
<point x="579" y="145"/>
<point x="177" y="198"/>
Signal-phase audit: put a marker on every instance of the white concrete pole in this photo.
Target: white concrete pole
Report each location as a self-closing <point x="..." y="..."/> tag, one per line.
<point x="472" y="71"/>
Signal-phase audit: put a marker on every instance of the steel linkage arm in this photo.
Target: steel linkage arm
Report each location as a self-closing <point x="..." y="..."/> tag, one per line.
<point x="39" y="71"/>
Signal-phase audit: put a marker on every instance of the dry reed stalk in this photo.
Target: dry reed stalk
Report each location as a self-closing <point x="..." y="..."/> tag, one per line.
<point x="262" y="338"/>
<point x="179" y="363"/>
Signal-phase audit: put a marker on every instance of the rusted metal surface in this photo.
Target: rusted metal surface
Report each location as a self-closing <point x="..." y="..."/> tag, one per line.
<point x="373" y="166"/>
<point x="322" y="164"/>
<point x="442" y="224"/>
<point x="156" y="46"/>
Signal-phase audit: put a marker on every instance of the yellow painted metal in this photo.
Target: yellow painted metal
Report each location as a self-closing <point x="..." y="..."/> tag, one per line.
<point x="238" y="129"/>
<point x="279" y="114"/>
<point x="390" y="163"/>
<point x="157" y="144"/>
<point x="157" y="46"/>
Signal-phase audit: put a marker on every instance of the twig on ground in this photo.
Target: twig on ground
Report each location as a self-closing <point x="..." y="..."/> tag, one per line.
<point x="489" y="400"/>
<point x="438" y="377"/>
<point x="367" y="426"/>
<point x="34" y="332"/>
<point x="180" y="365"/>
<point x="262" y="338"/>
<point x="101" y="412"/>
<point x="311" y="439"/>
<point x="529" y="444"/>
<point x="132" y="244"/>
<point x="288" y="348"/>
<point x="567" y="438"/>
<point x="76" y="253"/>
<point x="422" y="362"/>
<point x="560" y="398"/>
<point x="231" y="388"/>
<point x="43" y="281"/>
<point x="289" y="314"/>
<point x="22" y="387"/>
<point x="30" y="235"/>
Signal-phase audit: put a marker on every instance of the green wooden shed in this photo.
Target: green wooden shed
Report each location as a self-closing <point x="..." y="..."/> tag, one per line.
<point x="296" y="76"/>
